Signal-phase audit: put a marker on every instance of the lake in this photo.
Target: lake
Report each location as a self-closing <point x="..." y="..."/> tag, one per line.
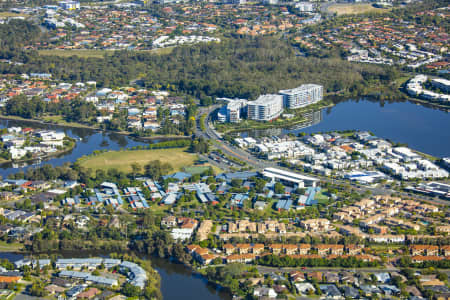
<point x="423" y="129"/>
<point x="90" y="140"/>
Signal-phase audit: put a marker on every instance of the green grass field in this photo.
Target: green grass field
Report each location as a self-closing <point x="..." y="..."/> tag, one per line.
<point x="59" y="120"/>
<point x="162" y="51"/>
<point x="322" y="198"/>
<point x="122" y="160"/>
<point x="354" y="9"/>
<point x="200" y="169"/>
<point x="4" y="246"/>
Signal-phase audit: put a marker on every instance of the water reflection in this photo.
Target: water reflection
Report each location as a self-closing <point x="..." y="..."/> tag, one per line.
<point x="88" y="140"/>
<point x="177" y="281"/>
<point x="424" y="129"/>
<point x="311" y="118"/>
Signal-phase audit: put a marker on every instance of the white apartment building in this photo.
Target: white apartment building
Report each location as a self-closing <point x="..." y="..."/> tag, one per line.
<point x="233" y="111"/>
<point x="442" y="84"/>
<point x="301" y="96"/>
<point x="265" y="108"/>
<point x="305" y="6"/>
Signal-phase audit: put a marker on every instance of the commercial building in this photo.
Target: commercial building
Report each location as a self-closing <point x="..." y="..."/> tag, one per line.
<point x="301" y="96"/>
<point x="295" y="179"/>
<point x="69" y="5"/>
<point x="233" y="111"/>
<point x="265" y="108"/>
<point x="305" y="6"/>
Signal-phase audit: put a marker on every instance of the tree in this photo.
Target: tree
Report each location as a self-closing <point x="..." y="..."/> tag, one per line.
<point x="155" y="169"/>
<point x="236" y="182"/>
<point x="279" y="188"/>
<point x="199" y="145"/>
<point x="135" y="169"/>
<point x="130" y="290"/>
<point x="37" y="289"/>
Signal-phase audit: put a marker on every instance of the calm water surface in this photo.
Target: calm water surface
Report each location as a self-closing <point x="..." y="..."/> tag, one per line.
<point x="88" y="140"/>
<point x="177" y="281"/>
<point x="423" y="129"/>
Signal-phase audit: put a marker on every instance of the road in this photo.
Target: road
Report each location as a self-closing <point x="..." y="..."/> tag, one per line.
<point x="389" y="268"/>
<point x="227" y="149"/>
<point x="230" y="150"/>
<point x="266" y="270"/>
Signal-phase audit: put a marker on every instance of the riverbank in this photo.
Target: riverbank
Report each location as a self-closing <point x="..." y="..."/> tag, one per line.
<point x="43" y="122"/>
<point x="430" y="104"/>
<point x="42" y="157"/>
<point x="72" y="125"/>
<point x="300" y="116"/>
<point x="190" y="283"/>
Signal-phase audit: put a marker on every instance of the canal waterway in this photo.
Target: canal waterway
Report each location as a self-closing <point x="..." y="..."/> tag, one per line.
<point x="423" y="129"/>
<point x="87" y="141"/>
<point x="177" y="281"/>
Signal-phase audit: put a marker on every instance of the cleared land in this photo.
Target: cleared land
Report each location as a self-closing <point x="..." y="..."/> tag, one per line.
<point x="79" y="53"/>
<point x="122" y="160"/>
<point x="7" y="14"/>
<point x="354" y="9"/>
<point x="95" y="53"/>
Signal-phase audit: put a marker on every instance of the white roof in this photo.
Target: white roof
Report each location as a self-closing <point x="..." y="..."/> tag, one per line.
<point x="301" y="88"/>
<point x="273" y="172"/>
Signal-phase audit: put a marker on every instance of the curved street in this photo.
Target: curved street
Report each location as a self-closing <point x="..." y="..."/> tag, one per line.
<point x="258" y="164"/>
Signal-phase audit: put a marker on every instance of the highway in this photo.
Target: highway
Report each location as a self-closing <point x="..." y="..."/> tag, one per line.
<point x="259" y="164"/>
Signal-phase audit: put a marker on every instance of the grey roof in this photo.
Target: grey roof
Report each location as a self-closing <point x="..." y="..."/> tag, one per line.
<point x="330" y="290"/>
<point x="236" y="175"/>
<point x="101" y="280"/>
<point x="350" y="292"/>
<point x="284" y="204"/>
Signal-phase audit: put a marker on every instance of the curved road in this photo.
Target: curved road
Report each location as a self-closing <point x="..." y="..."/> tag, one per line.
<point x="244" y="156"/>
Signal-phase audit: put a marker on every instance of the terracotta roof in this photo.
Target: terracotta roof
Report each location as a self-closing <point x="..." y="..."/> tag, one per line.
<point x="424" y="247"/>
<point x="426" y="258"/>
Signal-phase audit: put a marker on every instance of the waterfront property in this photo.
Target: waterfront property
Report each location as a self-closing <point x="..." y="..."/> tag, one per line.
<point x="301" y="96"/>
<point x="265" y="108"/>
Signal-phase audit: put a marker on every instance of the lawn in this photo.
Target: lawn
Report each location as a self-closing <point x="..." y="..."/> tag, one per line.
<point x="122" y="160"/>
<point x="353" y="9"/>
<point x="200" y="169"/>
<point x="162" y="51"/>
<point x="322" y="198"/>
<point x="5" y="247"/>
<point x="60" y="120"/>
